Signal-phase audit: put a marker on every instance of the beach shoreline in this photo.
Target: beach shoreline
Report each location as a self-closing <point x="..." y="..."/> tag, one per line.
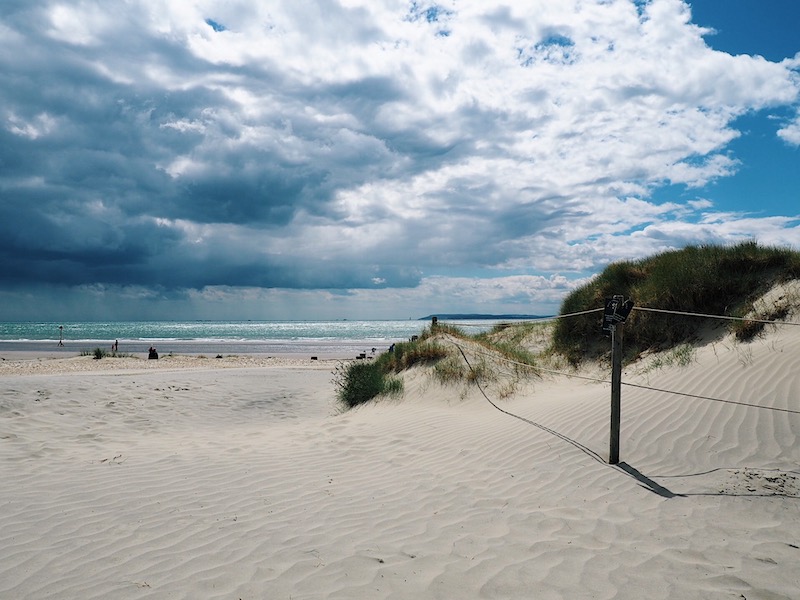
<point x="299" y="351"/>
<point x="37" y="363"/>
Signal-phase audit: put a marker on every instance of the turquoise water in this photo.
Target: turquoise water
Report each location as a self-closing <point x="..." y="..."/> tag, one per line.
<point x="210" y="330"/>
<point x="215" y="336"/>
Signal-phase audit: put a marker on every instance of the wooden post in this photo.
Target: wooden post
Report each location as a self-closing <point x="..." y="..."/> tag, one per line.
<point x="616" y="385"/>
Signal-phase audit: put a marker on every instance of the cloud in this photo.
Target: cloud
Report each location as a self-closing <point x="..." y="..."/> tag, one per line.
<point x="791" y="133"/>
<point x="347" y="145"/>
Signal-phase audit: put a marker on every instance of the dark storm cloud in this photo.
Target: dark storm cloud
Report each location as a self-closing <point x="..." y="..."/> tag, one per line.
<point x="112" y="140"/>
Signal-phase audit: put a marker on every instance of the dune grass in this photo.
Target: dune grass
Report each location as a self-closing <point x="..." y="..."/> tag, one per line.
<point x="716" y="280"/>
<point x="360" y="381"/>
<point x="100" y="353"/>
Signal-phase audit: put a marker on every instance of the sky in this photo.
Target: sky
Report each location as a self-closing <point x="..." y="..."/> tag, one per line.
<point x="380" y="159"/>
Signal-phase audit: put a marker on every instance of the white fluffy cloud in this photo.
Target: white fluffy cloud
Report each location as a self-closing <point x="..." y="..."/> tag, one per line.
<point x="791" y="133"/>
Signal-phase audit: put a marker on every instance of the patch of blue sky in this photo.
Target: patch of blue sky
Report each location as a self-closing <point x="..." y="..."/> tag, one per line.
<point x="767" y="178"/>
<point x="767" y="29"/>
<point x="641" y="6"/>
<point x="769" y="170"/>
<point x="556" y="39"/>
<point x="215" y="25"/>
<point x="433" y="14"/>
<point x="554" y="48"/>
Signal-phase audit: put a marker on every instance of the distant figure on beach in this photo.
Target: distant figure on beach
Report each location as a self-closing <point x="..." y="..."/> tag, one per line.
<point x="152" y="353"/>
<point x="115" y="345"/>
<point x="60" y="335"/>
<point x="391" y="348"/>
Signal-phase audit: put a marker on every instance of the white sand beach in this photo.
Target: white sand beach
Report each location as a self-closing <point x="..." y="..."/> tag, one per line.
<point x="241" y="478"/>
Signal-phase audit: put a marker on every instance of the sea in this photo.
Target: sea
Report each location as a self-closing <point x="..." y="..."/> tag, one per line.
<point x="325" y="338"/>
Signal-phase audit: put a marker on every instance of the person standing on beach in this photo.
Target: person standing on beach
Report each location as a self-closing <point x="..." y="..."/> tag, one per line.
<point x="60" y="335"/>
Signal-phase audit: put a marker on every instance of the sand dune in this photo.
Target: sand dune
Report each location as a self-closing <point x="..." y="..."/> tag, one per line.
<point x="198" y="481"/>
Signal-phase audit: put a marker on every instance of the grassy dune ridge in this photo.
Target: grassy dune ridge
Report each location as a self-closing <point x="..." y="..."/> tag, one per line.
<point x="709" y="280"/>
<point x="714" y="280"/>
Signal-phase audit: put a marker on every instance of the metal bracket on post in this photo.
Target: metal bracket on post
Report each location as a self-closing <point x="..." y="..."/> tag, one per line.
<point x="616" y="311"/>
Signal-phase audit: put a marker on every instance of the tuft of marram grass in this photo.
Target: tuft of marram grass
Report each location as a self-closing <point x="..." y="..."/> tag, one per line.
<point x="359" y="382"/>
<point x="409" y="354"/>
<point x="99" y="353"/>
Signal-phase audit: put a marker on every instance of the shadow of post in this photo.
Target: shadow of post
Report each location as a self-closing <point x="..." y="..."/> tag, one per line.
<point x="646" y="482"/>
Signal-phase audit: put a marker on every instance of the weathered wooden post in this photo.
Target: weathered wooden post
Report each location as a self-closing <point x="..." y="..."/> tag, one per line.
<point x="616" y="311"/>
<point x="616" y="396"/>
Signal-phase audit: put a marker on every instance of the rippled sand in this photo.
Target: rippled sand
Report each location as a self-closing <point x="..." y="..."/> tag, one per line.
<point x="240" y="477"/>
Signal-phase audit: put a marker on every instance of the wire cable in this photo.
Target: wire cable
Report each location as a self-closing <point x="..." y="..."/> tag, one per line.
<point x="723" y="317"/>
<point x="523" y="321"/>
<point x="633" y="385"/>
<point x="624" y="468"/>
<point x="699" y="397"/>
<point x="535" y="367"/>
<point x="588" y="451"/>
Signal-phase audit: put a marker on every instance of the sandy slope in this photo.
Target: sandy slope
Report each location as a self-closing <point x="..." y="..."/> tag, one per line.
<point x="247" y="483"/>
